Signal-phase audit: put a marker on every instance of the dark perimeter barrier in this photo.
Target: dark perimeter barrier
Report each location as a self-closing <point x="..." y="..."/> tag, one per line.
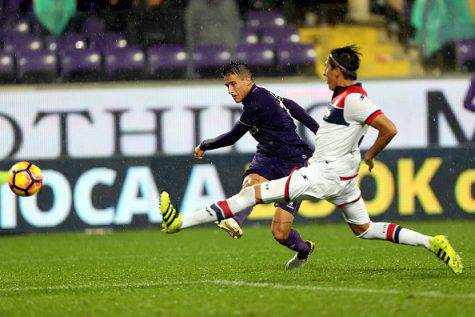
<point x="124" y="192"/>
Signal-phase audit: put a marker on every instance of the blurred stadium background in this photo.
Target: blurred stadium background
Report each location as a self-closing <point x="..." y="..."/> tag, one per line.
<point x="110" y="98"/>
<point x="62" y="41"/>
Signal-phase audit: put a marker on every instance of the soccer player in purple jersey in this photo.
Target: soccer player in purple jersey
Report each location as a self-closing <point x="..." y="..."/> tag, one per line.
<point x="280" y="149"/>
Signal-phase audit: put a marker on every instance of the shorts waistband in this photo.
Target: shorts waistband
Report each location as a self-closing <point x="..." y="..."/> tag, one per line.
<point x="348" y="178"/>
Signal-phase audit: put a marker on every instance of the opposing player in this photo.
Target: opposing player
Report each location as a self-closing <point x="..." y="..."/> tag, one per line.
<point x="280" y="149"/>
<point x="332" y="170"/>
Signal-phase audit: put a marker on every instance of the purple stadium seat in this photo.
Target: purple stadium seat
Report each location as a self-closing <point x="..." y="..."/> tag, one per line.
<point x="250" y="36"/>
<point x="66" y="43"/>
<point x="7" y="68"/>
<point x="210" y="56"/>
<point x="81" y="64"/>
<point x="256" y="55"/>
<point x="125" y="63"/>
<point x="37" y="66"/>
<point x="465" y="54"/>
<point x="294" y="57"/>
<point x="259" y="57"/>
<point x="280" y="36"/>
<point x="167" y="61"/>
<point x="265" y="19"/>
<point x="167" y="56"/>
<point x="52" y="43"/>
<point x="15" y="27"/>
<point x="207" y="59"/>
<point x="24" y="42"/>
<point x="93" y="25"/>
<point x="105" y="41"/>
<point x="73" y="42"/>
<point x="11" y="7"/>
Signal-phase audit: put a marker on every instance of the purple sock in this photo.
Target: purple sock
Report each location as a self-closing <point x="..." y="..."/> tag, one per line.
<point x="241" y="216"/>
<point x="295" y="243"/>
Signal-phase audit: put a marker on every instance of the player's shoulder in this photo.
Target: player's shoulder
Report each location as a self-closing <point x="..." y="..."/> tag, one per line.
<point x="356" y="89"/>
<point x="357" y="98"/>
<point x="358" y="106"/>
<point x="264" y="99"/>
<point x="265" y="94"/>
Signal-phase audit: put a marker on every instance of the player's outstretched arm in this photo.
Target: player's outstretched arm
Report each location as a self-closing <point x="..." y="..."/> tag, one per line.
<point x="223" y="140"/>
<point x="299" y="113"/>
<point x="387" y="131"/>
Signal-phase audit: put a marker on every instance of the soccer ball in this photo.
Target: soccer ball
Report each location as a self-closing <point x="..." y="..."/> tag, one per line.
<point x="25" y="179"/>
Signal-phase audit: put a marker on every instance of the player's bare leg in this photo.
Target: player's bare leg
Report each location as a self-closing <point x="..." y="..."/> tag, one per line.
<point x="397" y="234"/>
<point x="233" y="226"/>
<point x="281" y="225"/>
<point x="290" y="238"/>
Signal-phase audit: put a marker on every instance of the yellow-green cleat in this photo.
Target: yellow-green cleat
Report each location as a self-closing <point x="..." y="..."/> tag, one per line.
<point x="171" y="218"/>
<point x="443" y="250"/>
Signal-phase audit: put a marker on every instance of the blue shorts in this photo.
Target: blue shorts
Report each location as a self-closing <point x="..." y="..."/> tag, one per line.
<point x="272" y="168"/>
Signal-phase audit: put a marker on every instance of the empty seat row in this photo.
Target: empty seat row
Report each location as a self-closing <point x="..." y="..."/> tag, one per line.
<point x="131" y="62"/>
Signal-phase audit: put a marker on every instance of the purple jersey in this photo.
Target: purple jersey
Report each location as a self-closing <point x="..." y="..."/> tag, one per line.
<point x="269" y="120"/>
<point x="270" y="123"/>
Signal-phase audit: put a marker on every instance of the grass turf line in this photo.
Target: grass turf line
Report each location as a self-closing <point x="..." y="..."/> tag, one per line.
<point x="202" y="272"/>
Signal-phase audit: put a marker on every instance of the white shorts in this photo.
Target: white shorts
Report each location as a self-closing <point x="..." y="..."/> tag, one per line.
<point x="316" y="182"/>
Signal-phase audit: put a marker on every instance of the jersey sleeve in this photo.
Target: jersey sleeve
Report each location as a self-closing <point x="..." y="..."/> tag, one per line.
<point x="225" y="139"/>
<point x="297" y="112"/>
<point x="359" y="108"/>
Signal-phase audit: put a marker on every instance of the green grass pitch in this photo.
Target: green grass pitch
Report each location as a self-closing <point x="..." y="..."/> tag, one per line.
<point x="203" y="272"/>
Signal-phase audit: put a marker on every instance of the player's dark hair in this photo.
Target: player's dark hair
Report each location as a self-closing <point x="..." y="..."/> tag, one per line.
<point x="236" y="68"/>
<point x="346" y="58"/>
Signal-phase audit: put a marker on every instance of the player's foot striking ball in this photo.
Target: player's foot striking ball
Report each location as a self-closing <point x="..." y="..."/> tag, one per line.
<point x="25" y="179"/>
<point x="171" y="218"/>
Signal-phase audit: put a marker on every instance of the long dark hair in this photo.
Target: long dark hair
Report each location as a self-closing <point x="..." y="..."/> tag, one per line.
<point x="346" y="58"/>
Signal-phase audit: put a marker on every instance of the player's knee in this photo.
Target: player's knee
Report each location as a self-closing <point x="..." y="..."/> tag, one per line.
<point x="357" y="217"/>
<point x="250" y="186"/>
<point x="247" y="196"/>
<point x="280" y="236"/>
<point x="360" y="230"/>
<point x="252" y="179"/>
<point x="249" y="182"/>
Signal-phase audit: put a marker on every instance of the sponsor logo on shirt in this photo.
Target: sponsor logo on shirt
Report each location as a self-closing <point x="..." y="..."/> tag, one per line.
<point x="253" y="130"/>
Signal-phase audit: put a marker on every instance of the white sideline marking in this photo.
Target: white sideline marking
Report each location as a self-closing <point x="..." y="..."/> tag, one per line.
<point x="341" y="289"/>
<point x="235" y="283"/>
